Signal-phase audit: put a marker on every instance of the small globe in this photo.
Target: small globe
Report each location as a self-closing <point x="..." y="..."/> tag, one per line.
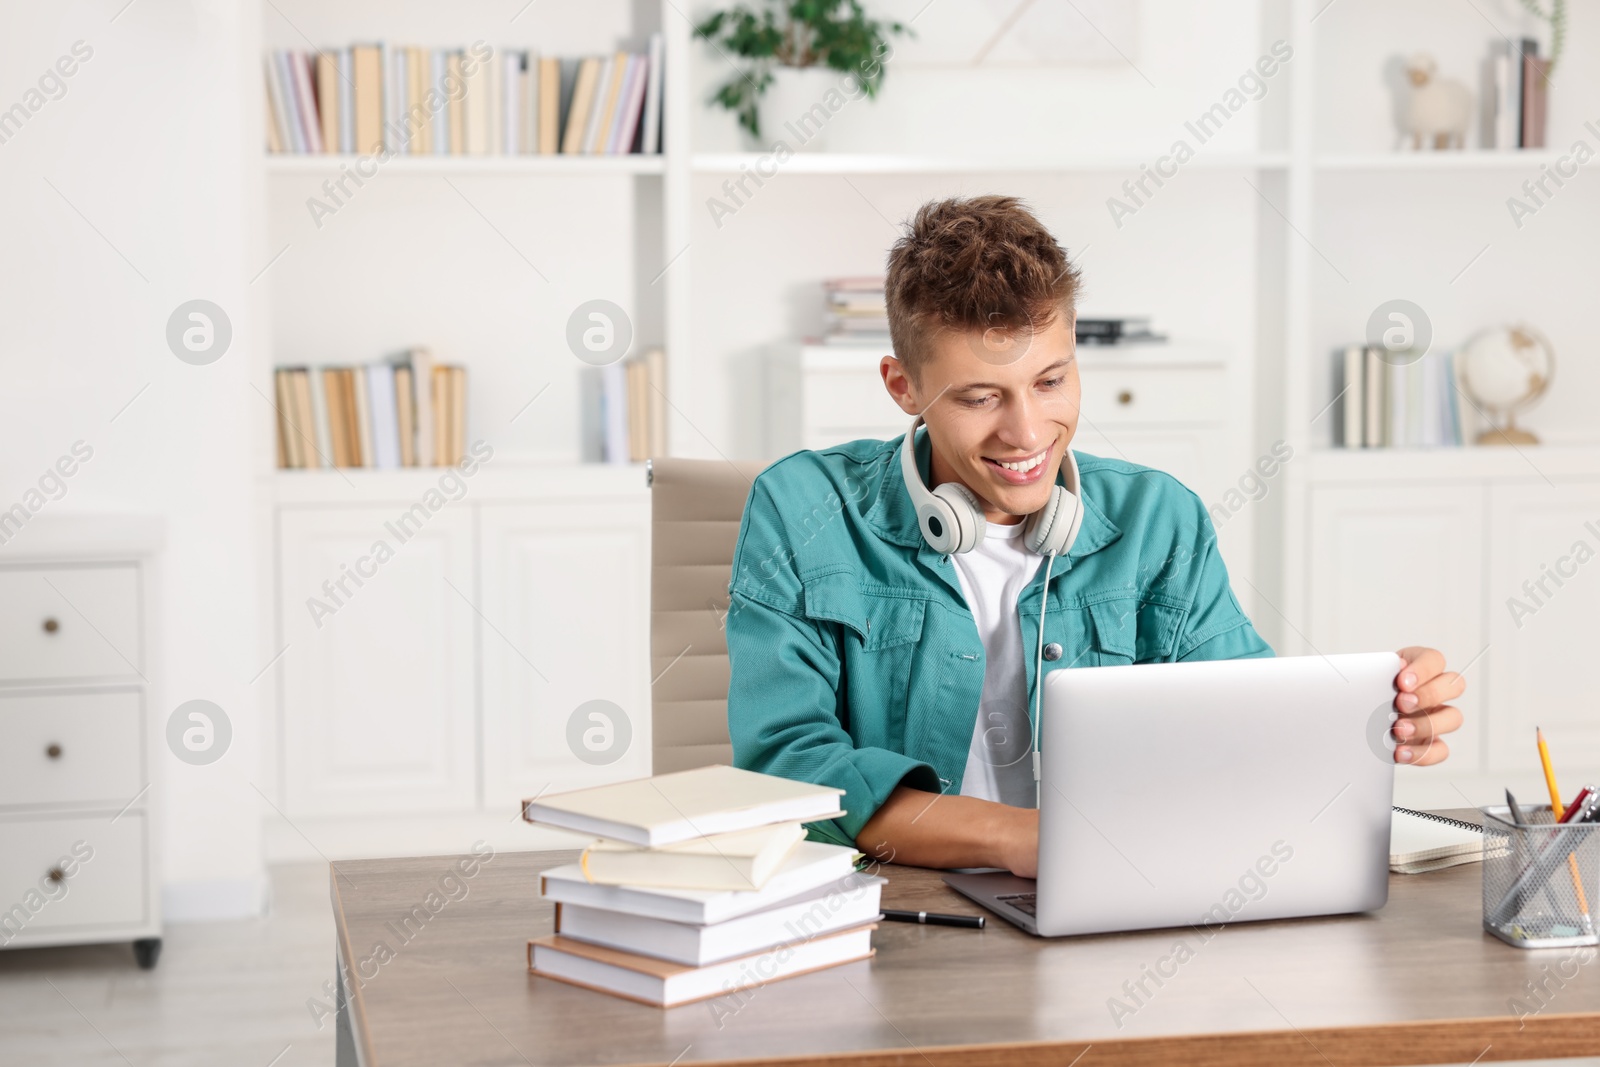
<point x="1506" y="369"/>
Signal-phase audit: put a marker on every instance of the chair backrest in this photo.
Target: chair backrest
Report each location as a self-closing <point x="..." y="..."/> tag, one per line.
<point x="695" y="508"/>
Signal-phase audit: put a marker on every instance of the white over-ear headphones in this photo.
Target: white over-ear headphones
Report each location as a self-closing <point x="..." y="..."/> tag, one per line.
<point x="951" y="516"/>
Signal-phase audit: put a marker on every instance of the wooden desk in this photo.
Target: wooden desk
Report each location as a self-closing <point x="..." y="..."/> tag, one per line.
<point x="1416" y="982"/>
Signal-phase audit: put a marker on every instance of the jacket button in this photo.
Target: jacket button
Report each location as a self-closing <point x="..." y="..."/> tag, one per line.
<point x="1052" y="652"/>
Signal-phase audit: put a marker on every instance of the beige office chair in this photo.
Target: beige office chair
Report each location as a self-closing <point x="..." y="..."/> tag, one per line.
<point x="695" y="508"/>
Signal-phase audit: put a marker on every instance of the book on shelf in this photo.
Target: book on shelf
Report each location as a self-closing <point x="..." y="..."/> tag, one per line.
<point x="1535" y="100"/>
<point x="583" y="89"/>
<point x="1115" y="330"/>
<point x="602" y="114"/>
<point x="390" y="414"/>
<point x="1517" y="95"/>
<point x="327" y="78"/>
<point x="361" y="418"/>
<point x="1395" y="400"/>
<point x="412" y="100"/>
<point x="290" y="434"/>
<point x="549" y="110"/>
<point x="624" y="409"/>
<point x="650" y="136"/>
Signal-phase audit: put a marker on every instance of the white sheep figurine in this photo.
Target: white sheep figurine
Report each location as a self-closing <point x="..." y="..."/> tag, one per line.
<point x="1439" y="109"/>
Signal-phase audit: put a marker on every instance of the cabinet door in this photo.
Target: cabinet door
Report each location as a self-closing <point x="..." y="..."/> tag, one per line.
<point x="377" y="679"/>
<point x="1543" y="603"/>
<point x="565" y="622"/>
<point x="1403" y="565"/>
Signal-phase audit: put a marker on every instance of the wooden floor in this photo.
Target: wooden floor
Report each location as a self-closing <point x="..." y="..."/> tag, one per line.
<point x="223" y="993"/>
<point x="230" y="993"/>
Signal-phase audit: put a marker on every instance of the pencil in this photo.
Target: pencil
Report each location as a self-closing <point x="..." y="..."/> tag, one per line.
<point x="1555" y="816"/>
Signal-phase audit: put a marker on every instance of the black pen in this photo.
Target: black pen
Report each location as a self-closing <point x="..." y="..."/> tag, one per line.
<point x="933" y="918"/>
<point x="1516" y="810"/>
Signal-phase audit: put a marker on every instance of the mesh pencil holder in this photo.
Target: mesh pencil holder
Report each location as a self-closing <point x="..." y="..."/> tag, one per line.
<point x="1541" y="881"/>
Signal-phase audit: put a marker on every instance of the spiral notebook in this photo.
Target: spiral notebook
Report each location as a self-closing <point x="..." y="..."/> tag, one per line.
<point x="1422" y="841"/>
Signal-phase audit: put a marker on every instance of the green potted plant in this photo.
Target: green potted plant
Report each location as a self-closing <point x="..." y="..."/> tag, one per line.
<point x="1557" y="18"/>
<point x="830" y="53"/>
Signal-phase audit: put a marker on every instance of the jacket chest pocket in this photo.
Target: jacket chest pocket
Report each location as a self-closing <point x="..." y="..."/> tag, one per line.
<point x="1129" y="630"/>
<point x="882" y="655"/>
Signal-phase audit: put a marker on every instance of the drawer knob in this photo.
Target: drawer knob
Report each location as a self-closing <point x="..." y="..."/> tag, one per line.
<point x="53" y="751"/>
<point x="56" y="875"/>
<point x="51" y="626"/>
<point x="1125" y="398"/>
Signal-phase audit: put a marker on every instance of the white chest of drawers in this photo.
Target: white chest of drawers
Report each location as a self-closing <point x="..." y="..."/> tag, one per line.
<point x="81" y="723"/>
<point x="1162" y="405"/>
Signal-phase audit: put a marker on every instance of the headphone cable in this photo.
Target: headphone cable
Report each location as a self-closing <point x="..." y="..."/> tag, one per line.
<point x="1038" y="675"/>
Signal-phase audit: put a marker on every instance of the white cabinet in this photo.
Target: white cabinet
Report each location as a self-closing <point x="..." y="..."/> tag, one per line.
<point x="1158" y="401"/>
<point x="564" y="625"/>
<point x="1391" y="566"/>
<point x="1169" y="406"/>
<point x="429" y="670"/>
<point x="1490" y="555"/>
<point x="80" y="728"/>
<point x="1543" y="604"/>
<point x="377" y="675"/>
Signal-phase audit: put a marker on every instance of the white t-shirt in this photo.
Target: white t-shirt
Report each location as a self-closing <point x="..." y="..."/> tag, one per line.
<point x="1000" y="759"/>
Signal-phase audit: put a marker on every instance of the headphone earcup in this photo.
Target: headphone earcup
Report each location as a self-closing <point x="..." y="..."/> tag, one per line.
<point x="1052" y="529"/>
<point x="962" y="516"/>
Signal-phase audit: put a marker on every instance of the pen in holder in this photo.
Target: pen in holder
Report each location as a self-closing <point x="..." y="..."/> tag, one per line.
<point x="1540" y="879"/>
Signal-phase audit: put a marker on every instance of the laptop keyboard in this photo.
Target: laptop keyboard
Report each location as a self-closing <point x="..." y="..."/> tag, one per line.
<point x="1023" y="902"/>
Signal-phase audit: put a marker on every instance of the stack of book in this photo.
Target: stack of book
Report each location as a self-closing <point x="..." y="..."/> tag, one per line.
<point x="1519" y="81"/>
<point x="700" y="885"/>
<point x="475" y="101"/>
<point x="1391" y="400"/>
<point x="625" y="410"/>
<point x="1119" y="330"/>
<point x="409" y="413"/>
<point x="856" y="313"/>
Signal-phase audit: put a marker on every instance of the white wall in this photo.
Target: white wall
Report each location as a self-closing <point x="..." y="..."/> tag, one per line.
<point x="755" y="273"/>
<point x="1181" y="56"/>
<point x="121" y="200"/>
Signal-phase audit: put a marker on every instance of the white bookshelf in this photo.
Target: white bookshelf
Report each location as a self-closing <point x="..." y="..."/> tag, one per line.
<point x="995" y="164"/>
<point x="490" y="483"/>
<point x="480" y="258"/>
<point x="1383" y="547"/>
<point x="1560" y="463"/>
<point x="462" y="658"/>
<point x="1270" y="247"/>
<point x="1522" y="159"/>
<point x="286" y="163"/>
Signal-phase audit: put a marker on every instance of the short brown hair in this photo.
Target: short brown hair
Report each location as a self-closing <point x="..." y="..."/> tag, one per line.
<point x="977" y="263"/>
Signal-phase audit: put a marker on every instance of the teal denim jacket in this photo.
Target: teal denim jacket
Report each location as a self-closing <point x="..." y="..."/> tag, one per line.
<point x="855" y="660"/>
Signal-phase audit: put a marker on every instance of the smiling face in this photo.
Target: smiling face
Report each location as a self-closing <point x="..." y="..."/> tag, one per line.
<point x="1001" y="409"/>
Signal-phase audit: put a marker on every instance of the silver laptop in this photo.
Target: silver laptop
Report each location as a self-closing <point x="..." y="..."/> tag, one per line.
<point x="1202" y="794"/>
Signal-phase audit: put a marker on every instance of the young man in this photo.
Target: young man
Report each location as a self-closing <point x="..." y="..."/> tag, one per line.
<point x="869" y="654"/>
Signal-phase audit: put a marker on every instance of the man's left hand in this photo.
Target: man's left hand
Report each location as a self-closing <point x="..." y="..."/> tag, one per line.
<point x="1423" y="701"/>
